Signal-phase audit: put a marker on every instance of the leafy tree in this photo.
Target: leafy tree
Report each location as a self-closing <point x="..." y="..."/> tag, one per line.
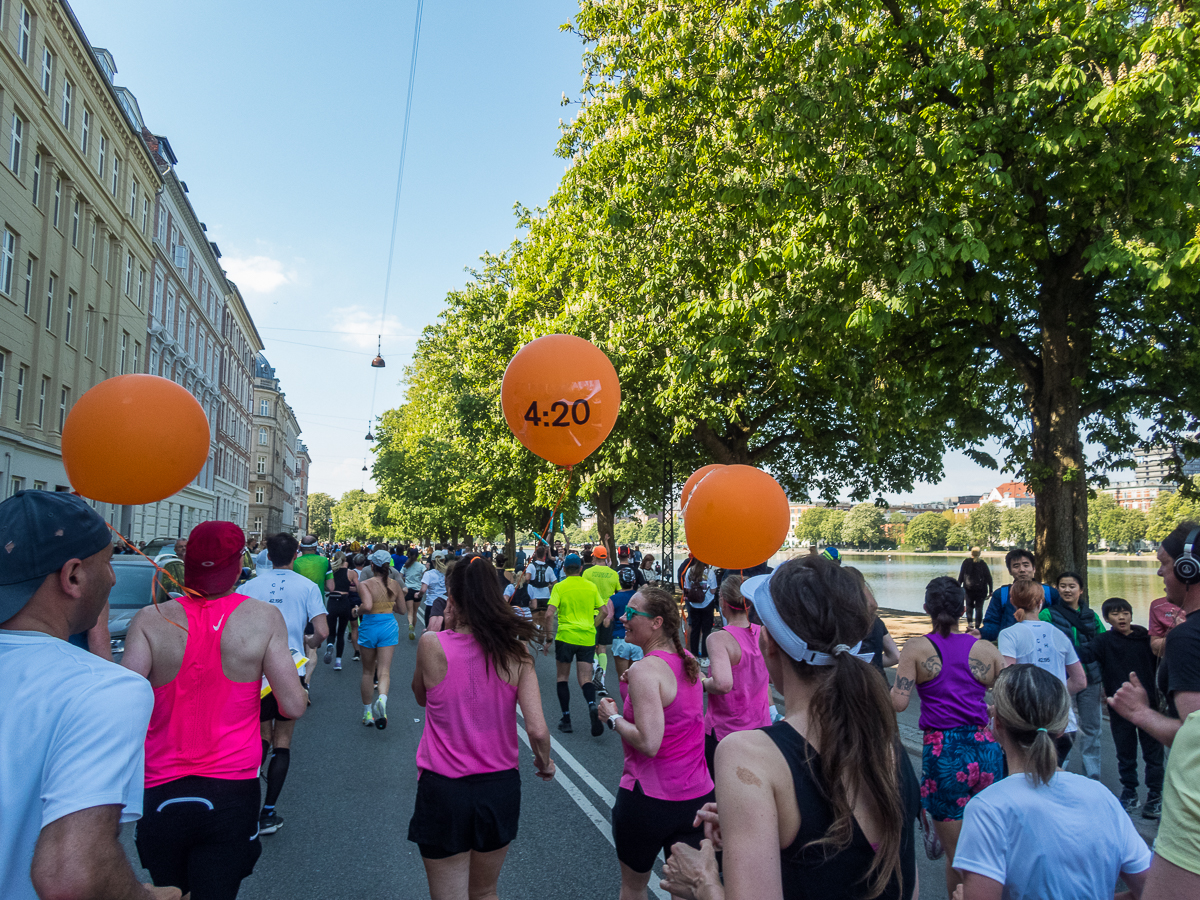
<point x="353" y="515"/>
<point x="832" y="525"/>
<point x="984" y="525"/>
<point x="928" y="531"/>
<point x="811" y="525"/>
<point x="1017" y="525"/>
<point x="958" y="537"/>
<point x="651" y="534"/>
<point x="320" y="508"/>
<point x="1169" y="510"/>
<point x="863" y="525"/>
<point x="1098" y="505"/>
<point x="1121" y="527"/>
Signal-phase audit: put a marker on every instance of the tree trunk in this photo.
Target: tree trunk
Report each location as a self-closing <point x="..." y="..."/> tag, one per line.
<point x="510" y="540"/>
<point x="603" y="501"/>
<point x="454" y="538"/>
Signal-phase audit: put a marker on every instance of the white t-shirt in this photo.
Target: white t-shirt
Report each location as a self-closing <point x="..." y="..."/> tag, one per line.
<point x="435" y="585"/>
<point x="1069" y="839"/>
<point x="298" y="598"/>
<point x="541" y="593"/>
<point x="72" y="736"/>
<point x="1046" y="647"/>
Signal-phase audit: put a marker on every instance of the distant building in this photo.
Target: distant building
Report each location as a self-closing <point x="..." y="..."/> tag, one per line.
<point x="274" y="441"/>
<point x="1010" y="495"/>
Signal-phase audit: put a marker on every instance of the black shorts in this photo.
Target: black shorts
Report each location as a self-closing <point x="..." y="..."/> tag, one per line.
<point x="200" y="834"/>
<point x="564" y="652"/>
<point x="642" y="826"/>
<point x="438" y="609"/>
<point x="410" y="595"/>
<point x="268" y="707"/>
<point x="476" y="812"/>
<point x="340" y="604"/>
<point x="604" y="634"/>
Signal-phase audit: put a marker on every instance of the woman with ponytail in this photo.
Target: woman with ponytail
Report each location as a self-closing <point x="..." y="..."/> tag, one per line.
<point x="470" y="678"/>
<point x="1031" y="640"/>
<point x="378" y="635"/>
<point x="951" y="673"/>
<point x="738" y="687"/>
<point x="821" y="804"/>
<point x="1012" y="842"/>
<point x="665" y="783"/>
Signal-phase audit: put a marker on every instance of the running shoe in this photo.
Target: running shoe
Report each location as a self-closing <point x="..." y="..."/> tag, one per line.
<point x="356" y="656"/>
<point x="1129" y="800"/>
<point x="269" y="822"/>
<point x="328" y="653"/>
<point x="337" y="664"/>
<point x="1153" y="806"/>
<point x="598" y="678"/>
<point x="368" y="718"/>
<point x="412" y="633"/>
<point x="379" y="707"/>
<point x="597" y="725"/>
<point x="564" y="725"/>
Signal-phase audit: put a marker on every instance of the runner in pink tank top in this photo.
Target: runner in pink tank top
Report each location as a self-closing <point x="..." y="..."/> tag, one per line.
<point x="739" y="693"/>
<point x="665" y="780"/>
<point x="470" y="678"/>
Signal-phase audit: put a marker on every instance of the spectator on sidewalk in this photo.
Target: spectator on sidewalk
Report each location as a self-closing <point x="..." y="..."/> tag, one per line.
<point x="1001" y="613"/>
<point x="975" y="577"/>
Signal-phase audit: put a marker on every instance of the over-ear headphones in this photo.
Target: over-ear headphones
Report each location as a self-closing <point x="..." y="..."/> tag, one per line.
<point x="1187" y="567"/>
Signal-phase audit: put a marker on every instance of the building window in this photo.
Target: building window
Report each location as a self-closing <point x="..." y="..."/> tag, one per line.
<point x="153" y="362"/>
<point x="257" y="519"/>
<point x="141" y="286"/>
<point x="92" y="249"/>
<point x="18" y="484"/>
<point x="87" y="332"/>
<point x="42" y="389"/>
<point x="63" y="400"/>
<point x="137" y="356"/>
<point x="3" y="361"/>
<point x="116" y="179"/>
<point x="57" y="198"/>
<point x="128" y="273"/>
<point x="66" y="104"/>
<point x="75" y="224"/>
<point x="21" y="370"/>
<point x="258" y="495"/>
<point x="103" y="349"/>
<point x="262" y="465"/>
<point x="28" y="284"/>
<point x="124" y="350"/>
<point x="8" y="253"/>
<point x="14" y="148"/>
<point x="133" y="191"/>
<point x="47" y="70"/>
<point x="24" y="22"/>
<point x="85" y="130"/>
<point x="69" y="311"/>
<point x="264" y="408"/>
<point x="49" y="301"/>
<point x="156" y="298"/>
<point x="145" y="213"/>
<point x="37" y="178"/>
<point x="103" y="151"/>
<point x="162" y="226"/>
<point x="262" y="437"/>
<point x="169" y="318"/>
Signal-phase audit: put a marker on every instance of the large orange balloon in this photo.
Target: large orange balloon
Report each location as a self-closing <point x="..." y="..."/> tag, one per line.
<point x="134" y="439"/>
<point x="561" y="397"/>
<point x="736" y="517"/>
<point x="692" y="481"/>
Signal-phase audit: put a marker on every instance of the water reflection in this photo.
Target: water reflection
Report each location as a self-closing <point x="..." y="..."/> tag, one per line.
<point x="899" y="581"/>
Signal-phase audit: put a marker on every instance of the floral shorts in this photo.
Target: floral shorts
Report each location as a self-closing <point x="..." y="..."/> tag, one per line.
<point x="956" y="764"/>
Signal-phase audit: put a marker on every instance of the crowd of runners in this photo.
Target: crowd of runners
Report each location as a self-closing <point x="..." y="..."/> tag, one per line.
<point x="813" y="796"/>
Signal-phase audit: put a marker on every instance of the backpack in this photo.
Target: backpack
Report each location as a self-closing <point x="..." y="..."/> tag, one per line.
<point x="539" y="579"/>
<point x="697" y="590"/>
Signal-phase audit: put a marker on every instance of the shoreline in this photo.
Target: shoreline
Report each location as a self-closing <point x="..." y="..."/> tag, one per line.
<point x="986" y="554"/>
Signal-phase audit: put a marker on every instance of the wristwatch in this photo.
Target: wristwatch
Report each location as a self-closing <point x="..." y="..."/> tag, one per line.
<point x="612" y="721"/>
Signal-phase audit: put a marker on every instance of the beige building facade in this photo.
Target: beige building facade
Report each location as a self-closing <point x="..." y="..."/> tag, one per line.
<point x="278" y="495"/>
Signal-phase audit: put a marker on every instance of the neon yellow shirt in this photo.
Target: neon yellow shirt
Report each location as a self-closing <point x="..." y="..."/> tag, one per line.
<point x="577" y="600"/>
<point x="605" y="580"/>
<point x="315" y="568"/>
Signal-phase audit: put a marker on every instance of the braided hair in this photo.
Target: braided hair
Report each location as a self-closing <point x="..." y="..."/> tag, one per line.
<point x="661" y="604"/>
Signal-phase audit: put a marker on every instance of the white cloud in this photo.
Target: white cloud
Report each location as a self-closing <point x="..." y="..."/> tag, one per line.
<point x="367" y="326"/>
<point x="258" y="274"/>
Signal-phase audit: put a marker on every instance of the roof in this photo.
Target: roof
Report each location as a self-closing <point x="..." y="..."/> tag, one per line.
<point x="1013" y="489"/>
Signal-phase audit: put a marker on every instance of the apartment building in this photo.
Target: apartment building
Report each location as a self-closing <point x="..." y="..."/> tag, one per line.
<point x="232" y="466"/>
<point x="275" y="443"/>
<point x="77" y="188"/>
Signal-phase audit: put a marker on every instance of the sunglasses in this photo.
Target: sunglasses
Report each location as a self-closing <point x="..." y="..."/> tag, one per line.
<point x="630" y="611"/>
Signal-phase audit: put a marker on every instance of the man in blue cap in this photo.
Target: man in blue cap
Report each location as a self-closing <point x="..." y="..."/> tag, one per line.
<point x="576" y="608"/>
<point x="72" y="725"/>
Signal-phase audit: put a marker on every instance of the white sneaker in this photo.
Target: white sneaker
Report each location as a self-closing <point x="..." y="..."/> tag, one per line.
<point x="379" y="710"/>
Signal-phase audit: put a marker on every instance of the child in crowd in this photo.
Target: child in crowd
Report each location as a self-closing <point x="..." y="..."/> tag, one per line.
<point x="1123" y="649"/>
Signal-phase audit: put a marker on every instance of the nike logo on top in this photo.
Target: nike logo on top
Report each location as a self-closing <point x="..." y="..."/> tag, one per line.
<point x="218" y="625"/>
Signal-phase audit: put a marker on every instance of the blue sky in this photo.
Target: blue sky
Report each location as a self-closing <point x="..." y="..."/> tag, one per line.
<point x="287" y="119"/>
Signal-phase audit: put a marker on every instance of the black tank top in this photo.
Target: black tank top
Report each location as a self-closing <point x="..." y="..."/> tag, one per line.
<point x="341" y="580"/>
<point x="810" y="872"/>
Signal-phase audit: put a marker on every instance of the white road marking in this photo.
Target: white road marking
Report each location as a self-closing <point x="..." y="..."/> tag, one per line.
<point x="602" y="824"/>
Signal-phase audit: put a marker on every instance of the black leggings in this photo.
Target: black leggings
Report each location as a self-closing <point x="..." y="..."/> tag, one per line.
<point x="337" y="629"/>
<point x="200" y="835"/>
<point x="701" y="626"/>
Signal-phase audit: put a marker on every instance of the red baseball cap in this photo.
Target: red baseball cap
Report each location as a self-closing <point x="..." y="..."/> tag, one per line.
<point x="214" y="557"/>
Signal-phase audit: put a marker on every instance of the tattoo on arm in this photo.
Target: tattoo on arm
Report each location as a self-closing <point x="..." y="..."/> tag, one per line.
<point x="932" y="664"/>
<point x="980" y="669"/>
<point x="904" y="684"/>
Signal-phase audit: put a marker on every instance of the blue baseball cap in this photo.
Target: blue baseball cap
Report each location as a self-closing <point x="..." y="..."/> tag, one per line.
<point x="573" y="561"/>
<point x="39" y="532"/>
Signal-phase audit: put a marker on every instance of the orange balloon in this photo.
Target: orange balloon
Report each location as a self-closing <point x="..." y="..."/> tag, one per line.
<point x="134" y="439"/>
<point x="736" y="518"/>
<point x="692" y="481"/>
<point x="561" y="397"/>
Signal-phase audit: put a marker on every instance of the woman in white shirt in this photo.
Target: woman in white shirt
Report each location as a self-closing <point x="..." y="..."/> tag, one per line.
<point x="411" y="573"/>
<point x="1040" y="643"/>
<point x="433" y="592"/>
<point x="1042" y="832"/>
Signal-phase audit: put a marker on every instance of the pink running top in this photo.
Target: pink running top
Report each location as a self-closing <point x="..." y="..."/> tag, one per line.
<point x="470" y="716"/>
<point x="203" y="723"/>
<point x="748" y="704"/>
<point x="679" y="771"/>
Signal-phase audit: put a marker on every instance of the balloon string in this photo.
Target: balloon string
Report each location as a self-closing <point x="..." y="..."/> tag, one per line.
<point x="196" y="595"/>
<point x="549" y="529"/>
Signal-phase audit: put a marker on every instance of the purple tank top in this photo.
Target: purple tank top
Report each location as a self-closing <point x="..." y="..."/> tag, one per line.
<point x="679" y="771"/>
<point x="953" y="699"/>
<point x="748" y="704"/>
<point x="470" y="716"/>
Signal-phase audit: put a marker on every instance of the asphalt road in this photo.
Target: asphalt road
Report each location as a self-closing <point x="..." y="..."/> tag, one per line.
<point x="350" y="793"/>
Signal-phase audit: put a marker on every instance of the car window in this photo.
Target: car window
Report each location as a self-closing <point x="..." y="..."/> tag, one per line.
<point x="133" y="588"/>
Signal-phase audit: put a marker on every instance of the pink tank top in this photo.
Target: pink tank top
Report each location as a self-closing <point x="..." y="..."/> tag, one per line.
<point x="679" y="771"/>
<point x="748" y="704"/>
<point x="470" y="716"/>
<point x="203" y="723"/>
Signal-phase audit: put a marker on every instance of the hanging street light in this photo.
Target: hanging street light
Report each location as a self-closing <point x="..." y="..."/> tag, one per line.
<point x="377" y="362"/>
<point x="370" y="437"/>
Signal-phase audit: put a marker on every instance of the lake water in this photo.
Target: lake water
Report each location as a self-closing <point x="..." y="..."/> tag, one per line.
<point x="899" y="582"/>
